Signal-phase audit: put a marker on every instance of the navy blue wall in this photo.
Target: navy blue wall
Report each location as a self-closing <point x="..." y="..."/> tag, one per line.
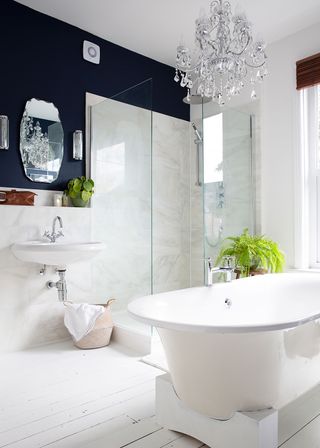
<point x="41" y="57"/>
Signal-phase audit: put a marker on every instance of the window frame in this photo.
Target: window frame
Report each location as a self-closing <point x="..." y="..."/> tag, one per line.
<point x="309" y="178"/>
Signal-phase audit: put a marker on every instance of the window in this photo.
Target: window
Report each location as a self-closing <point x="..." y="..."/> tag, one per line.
<point x="307" y="182"/>
<point x="310" y="170"/>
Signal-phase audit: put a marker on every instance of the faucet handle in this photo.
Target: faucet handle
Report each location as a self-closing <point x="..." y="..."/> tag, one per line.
<point x="228" y="262"/>
<point x="60" y="233"/>
<point x="209" y="261"/>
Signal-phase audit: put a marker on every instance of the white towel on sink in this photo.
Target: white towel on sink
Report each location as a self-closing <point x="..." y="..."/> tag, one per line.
<point x="79" y="318"/>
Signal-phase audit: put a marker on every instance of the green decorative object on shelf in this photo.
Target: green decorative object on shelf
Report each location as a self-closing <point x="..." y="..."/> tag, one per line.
<point x="253" y="254"/>
<point x="80" y="190"/>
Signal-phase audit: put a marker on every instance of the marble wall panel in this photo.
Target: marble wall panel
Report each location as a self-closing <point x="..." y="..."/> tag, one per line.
<point x="211" y="223"/>
<point x="237" y="211"/>
<point x="171" y="203"/>
<point x="30" y="314"/>
<point x="122" y="207"/>
<point x="196" y="215"/>
<point x="121" y="168"/>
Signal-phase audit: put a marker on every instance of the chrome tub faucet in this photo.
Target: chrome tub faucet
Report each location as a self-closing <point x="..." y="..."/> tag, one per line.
<point x="227" y="269"/>
<point x="53" y="236"/>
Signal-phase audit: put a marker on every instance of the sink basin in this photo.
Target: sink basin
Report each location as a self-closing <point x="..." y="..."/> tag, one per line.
<point x="56" y="254"/>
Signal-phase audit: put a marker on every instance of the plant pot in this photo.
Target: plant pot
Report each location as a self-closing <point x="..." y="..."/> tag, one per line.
<point x="258" y="271"/>
<point x="252" y="272"/>
<point x="78" y="202"/>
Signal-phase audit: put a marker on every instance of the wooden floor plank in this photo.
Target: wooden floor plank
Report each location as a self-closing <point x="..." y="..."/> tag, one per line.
<point x="79" y="420"/>
<point x="296" y="415"/>
<point x="67" y="405"/>
<point x="45" y="376"/>
<point x="61" y="397"/>
<point x="140" y="399"/>
<point x="308" y="437"/>
<point x="157" y="439"/>
<point x="185" y="442"/>
<point x="116" y="438"/>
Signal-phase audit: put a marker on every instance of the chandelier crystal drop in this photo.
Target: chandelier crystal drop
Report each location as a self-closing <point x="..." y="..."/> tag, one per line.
<point x="226" y="56"/>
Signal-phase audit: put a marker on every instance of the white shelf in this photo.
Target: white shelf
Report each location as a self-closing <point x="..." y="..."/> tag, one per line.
<point x="44" y="206"/>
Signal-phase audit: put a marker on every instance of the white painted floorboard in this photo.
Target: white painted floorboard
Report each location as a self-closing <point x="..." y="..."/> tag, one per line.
<point x="62" y="397"/>
<point x="58" y="396"/>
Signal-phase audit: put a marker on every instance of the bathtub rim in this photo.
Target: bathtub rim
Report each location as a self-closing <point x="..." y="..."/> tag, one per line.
<point x="200" y="328"/>
<point x="135" y="309"/>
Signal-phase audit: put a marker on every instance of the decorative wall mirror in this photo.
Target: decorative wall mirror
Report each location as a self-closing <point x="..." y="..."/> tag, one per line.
<point x="41" y="141"/>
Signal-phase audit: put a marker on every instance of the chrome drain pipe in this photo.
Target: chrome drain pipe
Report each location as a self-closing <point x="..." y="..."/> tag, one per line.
<point x="61" y="285"/>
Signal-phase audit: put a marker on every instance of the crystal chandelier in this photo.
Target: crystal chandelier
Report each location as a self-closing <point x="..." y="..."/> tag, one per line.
<point x="225" y="58"/>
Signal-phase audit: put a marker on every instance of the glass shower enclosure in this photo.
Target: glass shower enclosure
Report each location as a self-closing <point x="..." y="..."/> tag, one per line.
<point x="223" y="180"/>
<point x="227" y="178"/>
<point x="121" y="157"/>
<point x="217" y="191"/>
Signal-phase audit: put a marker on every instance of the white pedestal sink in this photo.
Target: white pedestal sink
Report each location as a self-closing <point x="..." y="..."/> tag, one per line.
<point x="58" y="253"/>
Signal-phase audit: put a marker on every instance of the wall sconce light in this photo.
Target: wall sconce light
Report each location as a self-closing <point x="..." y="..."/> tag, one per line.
<point x="4" y="132"/>
<point x="77" y="145"/>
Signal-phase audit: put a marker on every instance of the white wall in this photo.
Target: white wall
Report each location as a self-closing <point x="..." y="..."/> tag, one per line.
<point x="279" y="136"/>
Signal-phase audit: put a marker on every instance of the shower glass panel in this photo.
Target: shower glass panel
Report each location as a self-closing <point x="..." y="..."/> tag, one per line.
<point x="121" y="150"/>
<point x="227" y="177"/>
<point x="139" y="95"/>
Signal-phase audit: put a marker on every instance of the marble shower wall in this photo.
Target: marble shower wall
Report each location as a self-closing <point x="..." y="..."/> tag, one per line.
<point x="236" y="211"/>
<point x="171" y="203"/>
<point x="30" y="314"/>
<point x="196" y="214"/>
<point x="121" y="168"/>
<point x="210" y="228"/>
<point x="141" y="165"/>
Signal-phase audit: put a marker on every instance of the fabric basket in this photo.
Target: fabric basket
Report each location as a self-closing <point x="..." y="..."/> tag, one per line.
<point x="100" y="335"/>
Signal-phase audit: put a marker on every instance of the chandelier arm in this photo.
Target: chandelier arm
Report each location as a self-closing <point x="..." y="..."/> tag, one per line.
<point x="242" y="51"/>
<point x="214" y="27"/>
<point x="255" y="66"/>
<point x="214" y="49"/>
<point x="188" y="70"/>
<point x="209" y="42"/>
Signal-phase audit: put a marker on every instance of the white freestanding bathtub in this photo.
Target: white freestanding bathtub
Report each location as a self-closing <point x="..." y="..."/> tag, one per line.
<point x="247" y="345"/>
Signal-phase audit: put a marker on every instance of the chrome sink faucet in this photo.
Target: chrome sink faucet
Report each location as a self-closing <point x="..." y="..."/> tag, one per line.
<point x="53" y="236"/>
<point x="226" y="269"/>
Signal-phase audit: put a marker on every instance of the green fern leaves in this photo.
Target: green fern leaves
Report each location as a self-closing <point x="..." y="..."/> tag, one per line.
<point x="252" y="252"/>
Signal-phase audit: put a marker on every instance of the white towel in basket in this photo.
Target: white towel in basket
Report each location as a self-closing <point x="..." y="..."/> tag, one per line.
<point x="79" y="318"/>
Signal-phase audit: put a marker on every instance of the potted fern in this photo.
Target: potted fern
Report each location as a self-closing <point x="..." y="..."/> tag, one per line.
<point x="80" y="190"/>
<point x="253" y="254"/>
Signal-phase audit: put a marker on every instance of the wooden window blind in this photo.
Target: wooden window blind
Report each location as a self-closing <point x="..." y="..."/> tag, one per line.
<point x="308" y="71"/>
